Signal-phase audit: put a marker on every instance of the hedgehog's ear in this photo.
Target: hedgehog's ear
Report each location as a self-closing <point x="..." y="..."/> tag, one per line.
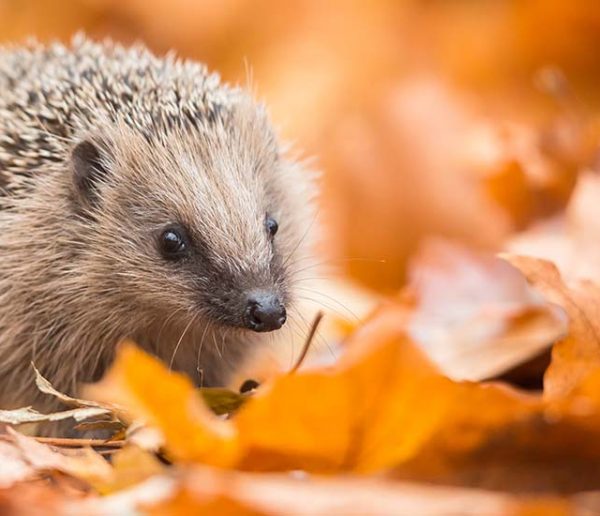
<point x="89" y="168"/>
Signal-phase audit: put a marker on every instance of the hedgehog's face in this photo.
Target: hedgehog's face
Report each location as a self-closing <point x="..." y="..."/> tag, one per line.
<point x="257" y="305"/>
<point x="209" y="225"/>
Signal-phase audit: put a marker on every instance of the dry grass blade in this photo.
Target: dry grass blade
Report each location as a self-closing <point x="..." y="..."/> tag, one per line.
<point x="309" y="339"/>
<point x="79" y="442"/>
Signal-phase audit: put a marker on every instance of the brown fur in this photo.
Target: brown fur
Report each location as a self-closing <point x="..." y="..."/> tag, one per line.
<point x="179" y="146"/>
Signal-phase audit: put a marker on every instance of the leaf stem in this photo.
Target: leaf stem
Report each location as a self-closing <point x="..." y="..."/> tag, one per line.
<point x="309" y="339"/>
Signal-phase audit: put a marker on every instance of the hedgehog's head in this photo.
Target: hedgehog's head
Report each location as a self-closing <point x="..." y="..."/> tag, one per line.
<point x="205" y="223"/>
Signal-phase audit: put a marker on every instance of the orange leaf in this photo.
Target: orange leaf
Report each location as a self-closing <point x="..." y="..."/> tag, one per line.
<point x="169" y="402"/>
<point x="575" y="356"/>
<point x="374" y="409"/>
<point x="364" y="414"/>
<point x="383" y="406"/>
<point x="475" y="314"/>
<point x="203" y="490"/>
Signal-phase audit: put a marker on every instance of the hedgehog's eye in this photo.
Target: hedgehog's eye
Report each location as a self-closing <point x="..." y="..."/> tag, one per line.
<point x="173" y="243"/>
<point x="271" y="225"/>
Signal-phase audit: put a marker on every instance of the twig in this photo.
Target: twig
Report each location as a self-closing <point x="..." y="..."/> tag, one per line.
<point x="77" y="443"/>
<point x="110" y="451"/>
<point x="309" y="339"/>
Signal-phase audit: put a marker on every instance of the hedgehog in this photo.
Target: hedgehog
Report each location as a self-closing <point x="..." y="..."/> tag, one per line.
<point x="140" y="198"/>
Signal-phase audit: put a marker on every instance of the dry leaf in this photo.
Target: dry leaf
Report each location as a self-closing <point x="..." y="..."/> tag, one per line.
<point x="144" y="437"/>
<point x="39" y="497"/>
<point x="362" y="405"/>
<point x="30" y="415"/>
<point x="131" y="465"/>
<point x="83" y="410"/>
<point x="13" y="467"/>
<point x="82" y="463"/>
<point x="579" y="352"/>
<point x="475" y="315"/>
<point x="570" y="241"/>
<point x="169" y="402"/>
<point x="361" y="416"/>
<point x="221" y="492"/>
<point x="128" y="501"/>
<point x="383" y="406"/>
<point x="404" y="156"/>
<point x="46" y="387"/>
<point x="222" y="401"/>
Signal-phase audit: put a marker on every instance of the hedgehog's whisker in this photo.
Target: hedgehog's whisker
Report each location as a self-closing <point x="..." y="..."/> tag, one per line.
<point x="302" y="238"/>
<point x="180" y="340"/>
<point x="349" y="312"/>
<point x="216" y="347"/>
<point x="291" y="331"/>
<point x="200" y="345"/>
<point x="294" y="328"/>
<point x="335" y="260"/>
<point x="227" y="330"/>
<point x="164" y="324"/>
<point x="326" y="306"/>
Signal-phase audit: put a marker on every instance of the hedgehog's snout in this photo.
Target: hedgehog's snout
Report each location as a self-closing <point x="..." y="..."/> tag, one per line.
<point x="264" y="312"/>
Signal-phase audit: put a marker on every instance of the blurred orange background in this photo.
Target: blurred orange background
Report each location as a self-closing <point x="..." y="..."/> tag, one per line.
<point x="469" y="119"/>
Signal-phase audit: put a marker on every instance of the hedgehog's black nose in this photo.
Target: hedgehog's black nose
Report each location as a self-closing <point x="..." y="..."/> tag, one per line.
<point x="264" y="312"/>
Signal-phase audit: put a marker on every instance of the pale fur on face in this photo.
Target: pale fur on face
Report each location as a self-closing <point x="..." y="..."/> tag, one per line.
<point x="77" y="279"/>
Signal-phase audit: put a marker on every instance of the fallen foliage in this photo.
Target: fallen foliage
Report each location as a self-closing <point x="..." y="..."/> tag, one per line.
<point x="386" y="407"/>
<point x="459" y="144"/>
<point x="578" y="354"/>
<point x="383" y="409"/>
<point x="475" y="314"/>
